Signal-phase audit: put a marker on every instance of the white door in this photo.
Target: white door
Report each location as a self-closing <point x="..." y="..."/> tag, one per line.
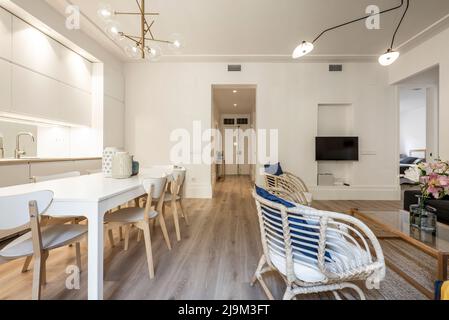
<point x="240" y="145"/>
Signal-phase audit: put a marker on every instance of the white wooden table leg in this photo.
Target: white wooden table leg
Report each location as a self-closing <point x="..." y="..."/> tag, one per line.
<point x="95" y="256"/>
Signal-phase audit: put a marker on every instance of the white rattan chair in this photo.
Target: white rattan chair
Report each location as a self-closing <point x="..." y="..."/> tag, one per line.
<point x="25" y="210"/>
<point x="316" y="251"/>
<point x="292" y="185"/>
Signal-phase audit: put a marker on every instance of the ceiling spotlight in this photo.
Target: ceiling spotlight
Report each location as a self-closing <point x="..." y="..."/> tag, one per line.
<point x="235" y="105"/>
<point x="388" y="57"/>
<point x="235" y="91"/>
<point x="304" y="48"/>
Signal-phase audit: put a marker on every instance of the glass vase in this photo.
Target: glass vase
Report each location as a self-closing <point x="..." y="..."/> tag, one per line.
<point x="429" y="219"/>
<point x="416" y="212"/>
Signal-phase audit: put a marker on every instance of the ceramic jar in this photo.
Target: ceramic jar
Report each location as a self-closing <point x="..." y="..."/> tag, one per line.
<point x="122" y="165"/>
<point x="108" y="155"/>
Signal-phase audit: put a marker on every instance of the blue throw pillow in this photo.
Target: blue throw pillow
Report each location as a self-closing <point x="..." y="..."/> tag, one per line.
<point x="271" y="197"/>
<point x="295" y="229"/>
<point x="274" y="169"/>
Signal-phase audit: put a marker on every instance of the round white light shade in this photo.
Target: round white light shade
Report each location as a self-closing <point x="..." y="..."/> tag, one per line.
<point x="105" y="11"/>
<point x="113" y="29"/>
<point x="176" y="42"/>
<point x="133" y="52"/>
<point x="153" y="53"/>
<point x="304" y="48"/>
<point x="388" y="57"/>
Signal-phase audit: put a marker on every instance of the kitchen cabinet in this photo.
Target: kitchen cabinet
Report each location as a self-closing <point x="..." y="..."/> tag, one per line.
<point x="5" y="85"/>
<point x="75" y="106"/>
<point x="23" y="172"/>
<point x="14" y="174"/>
<point x="35" y="95"/>
<point x="36" y="51"/>
<point x="5" y="34"/>
<point x="47" y="80"/>
<point x="58" y="167"/>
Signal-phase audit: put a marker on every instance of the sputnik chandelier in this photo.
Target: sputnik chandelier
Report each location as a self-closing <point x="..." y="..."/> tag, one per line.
<point x="386" y="59"/>
<point x="142" y="46"/>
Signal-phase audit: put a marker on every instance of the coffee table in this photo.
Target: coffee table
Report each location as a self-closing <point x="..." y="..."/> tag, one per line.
<point x="396" y="224"/>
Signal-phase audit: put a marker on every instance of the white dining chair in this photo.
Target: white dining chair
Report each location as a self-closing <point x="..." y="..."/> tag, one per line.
<point x="55" y="219"/>
<point x="174" y="196"/>
<point x="315" y="251"/>
<point x="141" y="217"/>
<point x="25" y="210"/>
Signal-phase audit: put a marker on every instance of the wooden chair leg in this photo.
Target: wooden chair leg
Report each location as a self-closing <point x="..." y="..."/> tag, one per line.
<point x="183" y="212"/>
<point x="147" y="237"/>
<point x="111" y="237"/>
<point x="176" y="220"/>
<point x="26" y="264"/>
<point x="126" y="233"/>
<point x="139" y="235"/>
<point x="44" y="267"/>
<point x="37" y="278"/>
<point x="164" y="231"/>
<point x="120" y="229"/>
<point x="78" y="255"/>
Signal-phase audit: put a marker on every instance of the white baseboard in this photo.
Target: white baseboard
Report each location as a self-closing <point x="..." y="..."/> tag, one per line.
<point x="385" y="193"/>
<point x="198" y="191"/>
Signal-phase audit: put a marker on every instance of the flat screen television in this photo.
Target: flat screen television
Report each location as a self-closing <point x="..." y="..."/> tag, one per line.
<point x="337" y="149"/>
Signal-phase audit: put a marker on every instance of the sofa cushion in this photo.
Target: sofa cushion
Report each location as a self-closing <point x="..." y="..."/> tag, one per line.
<point x="274" y="169"/>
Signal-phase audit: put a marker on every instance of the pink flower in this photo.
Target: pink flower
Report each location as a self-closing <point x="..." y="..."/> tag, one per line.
<point x="443" y="181"/>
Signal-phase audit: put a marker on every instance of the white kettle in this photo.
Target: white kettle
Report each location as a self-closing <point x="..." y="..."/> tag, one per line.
<point x="122" y="165"/>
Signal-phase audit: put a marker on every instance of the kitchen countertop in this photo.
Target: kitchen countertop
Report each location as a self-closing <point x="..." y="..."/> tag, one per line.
<point x="9" y="161"/>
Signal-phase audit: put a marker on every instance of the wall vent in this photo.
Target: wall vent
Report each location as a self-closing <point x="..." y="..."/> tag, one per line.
<point x="234" y="68"/>
<point x="335" y="68"/>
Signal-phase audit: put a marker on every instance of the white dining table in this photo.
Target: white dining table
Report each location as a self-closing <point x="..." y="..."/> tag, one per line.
<point x="90" y="196"/>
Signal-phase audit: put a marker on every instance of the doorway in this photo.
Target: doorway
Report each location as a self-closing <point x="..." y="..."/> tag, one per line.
<point x="234" y="116"/>
<point x="418" y="121"/>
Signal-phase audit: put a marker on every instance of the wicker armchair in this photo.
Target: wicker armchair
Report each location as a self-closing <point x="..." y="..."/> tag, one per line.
<point x="292" y="185"/>
<point x="316" y="251"/>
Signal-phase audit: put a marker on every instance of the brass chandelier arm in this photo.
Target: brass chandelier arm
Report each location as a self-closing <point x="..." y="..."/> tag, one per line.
<point x="137" y="13"/>
<point x="158" y="40"/>
<point x="145" y="26"/>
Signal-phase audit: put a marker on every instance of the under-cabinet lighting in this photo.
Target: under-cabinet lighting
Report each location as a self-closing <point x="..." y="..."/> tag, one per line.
<point x="15" y="118"/>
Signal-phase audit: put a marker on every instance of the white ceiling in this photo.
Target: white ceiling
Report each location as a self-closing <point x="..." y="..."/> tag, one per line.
<point x="264" y="29"/>
<point x="225" y="98"/>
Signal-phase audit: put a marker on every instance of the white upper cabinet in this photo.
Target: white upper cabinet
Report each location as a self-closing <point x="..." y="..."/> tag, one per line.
<point x="35" y="95"/>
<point x="5" y="34"/>
<point x="36" y="51"/>
<point x="5" y="86"/>
<point x="49" y="81"/>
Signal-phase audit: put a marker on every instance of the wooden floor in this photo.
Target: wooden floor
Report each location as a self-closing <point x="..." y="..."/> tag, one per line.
<point x="215" y="260"/>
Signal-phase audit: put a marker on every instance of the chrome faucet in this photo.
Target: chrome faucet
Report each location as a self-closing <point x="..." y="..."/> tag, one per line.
<point x="19" y="153"/>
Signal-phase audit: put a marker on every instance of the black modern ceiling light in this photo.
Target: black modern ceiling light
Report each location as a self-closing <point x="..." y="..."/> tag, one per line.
<point x="390" y="56"/>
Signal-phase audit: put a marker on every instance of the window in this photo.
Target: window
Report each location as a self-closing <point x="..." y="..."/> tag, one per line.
<point x="242" y="121"/>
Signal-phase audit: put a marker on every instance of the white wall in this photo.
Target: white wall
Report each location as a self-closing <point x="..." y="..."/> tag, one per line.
<point x="9" y="132"/>
<point x="164" y="96"/>
<point x="111" y="121"/>
<point x="434" y="51"/>
<point x="413" y="120"/>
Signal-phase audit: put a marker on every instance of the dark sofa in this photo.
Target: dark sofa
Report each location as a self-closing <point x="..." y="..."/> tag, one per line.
<point x="442" y="206"/>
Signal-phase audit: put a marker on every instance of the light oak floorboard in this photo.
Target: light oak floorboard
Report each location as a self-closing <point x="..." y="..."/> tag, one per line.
<point x="216" y="258"/>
